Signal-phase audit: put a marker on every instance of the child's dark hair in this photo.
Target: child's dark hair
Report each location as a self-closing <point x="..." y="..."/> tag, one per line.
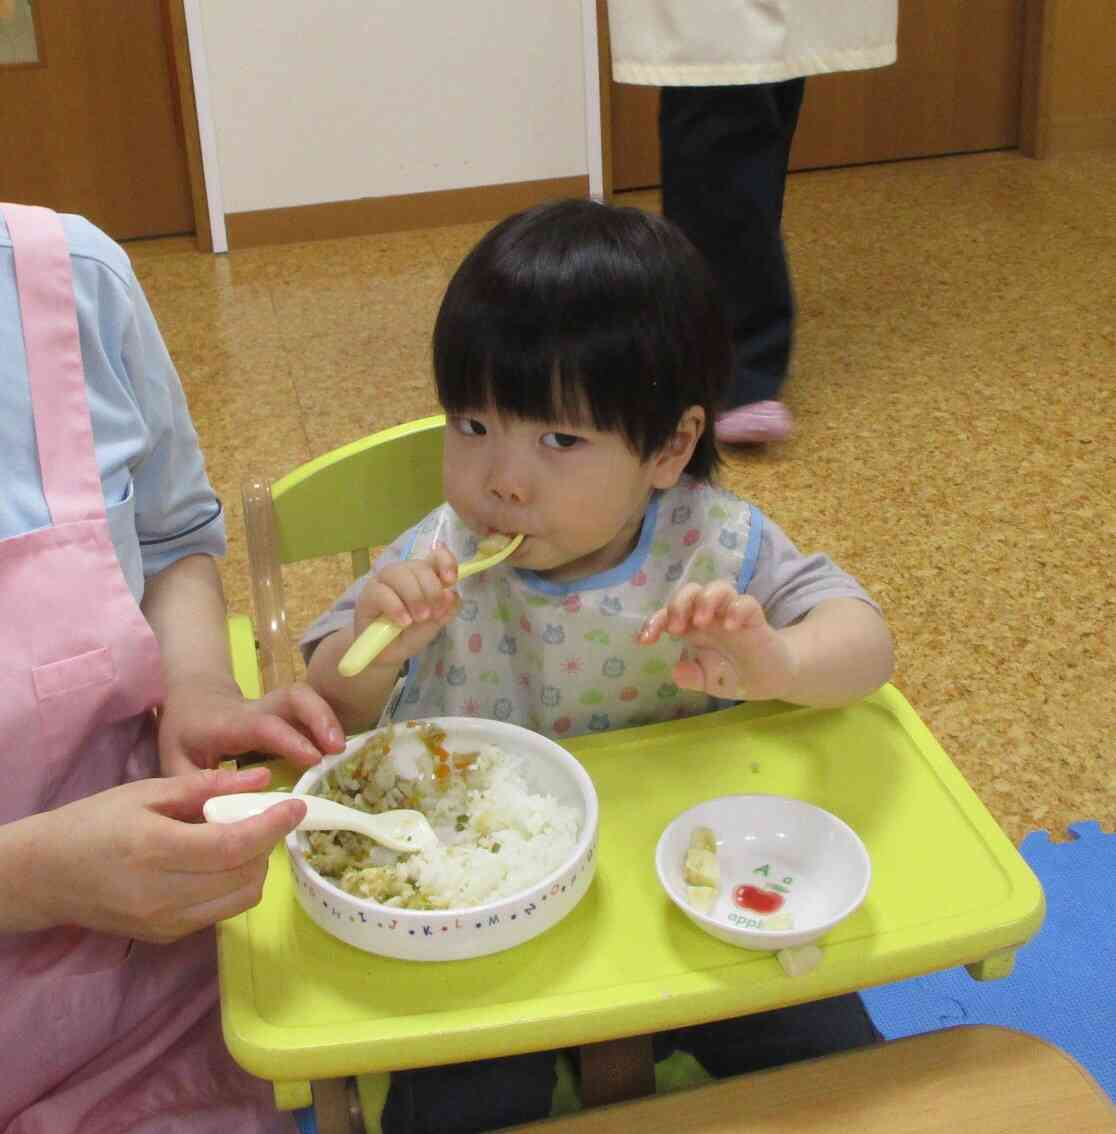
<point x="576" y="304"/>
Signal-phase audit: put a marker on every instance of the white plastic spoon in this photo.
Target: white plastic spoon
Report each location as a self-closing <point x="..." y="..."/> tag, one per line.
<point x="378" y="635"/>
<point x="398" y="830"/>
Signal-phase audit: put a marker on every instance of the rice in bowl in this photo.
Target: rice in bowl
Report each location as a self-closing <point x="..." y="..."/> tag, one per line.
<point x="496" y="836"/>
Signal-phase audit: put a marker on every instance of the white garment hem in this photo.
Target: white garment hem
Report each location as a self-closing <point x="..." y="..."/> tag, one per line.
<point x="741" y="74"/>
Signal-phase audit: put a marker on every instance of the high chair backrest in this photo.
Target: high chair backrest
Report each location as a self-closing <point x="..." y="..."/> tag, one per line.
<point x="358" y="497"/>
<point x="362" y="495"/>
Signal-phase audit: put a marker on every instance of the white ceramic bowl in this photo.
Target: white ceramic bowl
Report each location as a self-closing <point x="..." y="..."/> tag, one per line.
<point x="789" y="870"/>
<point x="451" y="935"/>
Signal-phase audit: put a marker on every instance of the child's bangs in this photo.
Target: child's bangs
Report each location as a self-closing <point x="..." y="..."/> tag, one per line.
<point x="578" y="383"/>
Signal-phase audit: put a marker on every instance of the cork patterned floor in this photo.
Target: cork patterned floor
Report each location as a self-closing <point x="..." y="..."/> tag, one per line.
<point x="954" y="384"/>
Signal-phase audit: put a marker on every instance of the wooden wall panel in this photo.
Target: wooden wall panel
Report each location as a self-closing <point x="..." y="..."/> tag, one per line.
<point x="94" y="130"/>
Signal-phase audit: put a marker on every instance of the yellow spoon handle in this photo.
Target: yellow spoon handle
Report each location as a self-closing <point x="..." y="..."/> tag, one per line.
<point x="372" y="641"/>
<point x="378" y="635"/>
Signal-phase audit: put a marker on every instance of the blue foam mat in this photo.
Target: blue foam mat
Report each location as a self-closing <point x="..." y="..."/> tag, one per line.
<point x="1063" y="987"/>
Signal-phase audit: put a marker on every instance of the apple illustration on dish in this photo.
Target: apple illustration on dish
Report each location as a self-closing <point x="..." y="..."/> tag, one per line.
<point x="761" y="901"/>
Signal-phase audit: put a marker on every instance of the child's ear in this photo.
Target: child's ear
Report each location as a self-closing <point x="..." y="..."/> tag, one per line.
<point x="674" y="456"/>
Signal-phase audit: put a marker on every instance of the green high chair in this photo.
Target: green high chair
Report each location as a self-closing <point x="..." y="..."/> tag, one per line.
<point x="604" y="996"/>
<point x="353" y="499"/>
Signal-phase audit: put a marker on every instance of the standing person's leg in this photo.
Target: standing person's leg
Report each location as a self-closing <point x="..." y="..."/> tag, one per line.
<point x="724" y="164"/>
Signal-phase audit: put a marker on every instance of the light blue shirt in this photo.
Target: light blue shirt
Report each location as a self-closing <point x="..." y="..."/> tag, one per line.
<point x="160" y="504"/>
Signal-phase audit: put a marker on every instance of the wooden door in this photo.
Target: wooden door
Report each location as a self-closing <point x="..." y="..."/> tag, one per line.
<point x="90" y="123"/>
<point x="954" y="89"/>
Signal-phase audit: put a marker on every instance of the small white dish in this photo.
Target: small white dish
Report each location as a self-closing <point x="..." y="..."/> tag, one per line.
<point x="789" y="871"/>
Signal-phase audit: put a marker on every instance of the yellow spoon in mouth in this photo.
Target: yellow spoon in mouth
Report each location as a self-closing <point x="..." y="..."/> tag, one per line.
<point x="378" y="635"/>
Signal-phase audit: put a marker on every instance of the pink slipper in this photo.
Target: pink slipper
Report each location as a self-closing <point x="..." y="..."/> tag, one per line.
<point x="754" y="424"/>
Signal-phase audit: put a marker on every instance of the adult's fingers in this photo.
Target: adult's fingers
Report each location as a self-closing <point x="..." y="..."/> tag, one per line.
<point x="205" y="902"/>
<point x="175" y="762"/>
<point x="308" y="711"/>
<point x="227" y="905"/>
<point x="227" y="846"/>
<point x="253" y="731"/>
<point x="182" y="797"/>
<point x="181" y="889"/>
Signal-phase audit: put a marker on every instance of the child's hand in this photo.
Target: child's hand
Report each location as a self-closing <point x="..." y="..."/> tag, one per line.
<point x="201" y="723"/>
<point x="733" y="652"/>
<point x="416" y="594"/>
<point x="135" y="860"/>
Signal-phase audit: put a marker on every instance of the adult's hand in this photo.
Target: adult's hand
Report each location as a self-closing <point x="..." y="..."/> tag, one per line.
<point x="203" y="722"/>
<point x="135" y="860"/>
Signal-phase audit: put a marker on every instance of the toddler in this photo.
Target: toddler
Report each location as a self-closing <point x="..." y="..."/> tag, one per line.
<point x="581" y="355"/>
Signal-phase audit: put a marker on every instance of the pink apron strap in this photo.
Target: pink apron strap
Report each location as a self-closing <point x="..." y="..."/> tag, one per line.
<point x="63" y="429"/>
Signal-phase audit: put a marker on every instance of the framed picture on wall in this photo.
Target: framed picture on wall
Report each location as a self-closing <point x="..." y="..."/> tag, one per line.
<point x="19" y="35"/>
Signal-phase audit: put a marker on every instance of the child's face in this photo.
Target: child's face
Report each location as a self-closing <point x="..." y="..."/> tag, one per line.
<point x="578" y="495"/>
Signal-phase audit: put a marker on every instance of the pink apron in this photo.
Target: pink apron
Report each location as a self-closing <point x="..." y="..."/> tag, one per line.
<point x="98" y="1034"/>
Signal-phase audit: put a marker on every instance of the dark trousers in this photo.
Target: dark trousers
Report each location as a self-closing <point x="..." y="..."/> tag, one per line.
<point x="469" y="1098"/>
<point x="770" y="1039"/>
<point x="724" y="169"/>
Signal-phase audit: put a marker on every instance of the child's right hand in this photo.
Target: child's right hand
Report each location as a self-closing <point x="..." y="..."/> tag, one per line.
<point x="135" y="861"/>
<point x="416" y="594"/>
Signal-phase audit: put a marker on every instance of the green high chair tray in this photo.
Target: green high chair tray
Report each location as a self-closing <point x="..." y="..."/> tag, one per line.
<point x="948" y="888"/>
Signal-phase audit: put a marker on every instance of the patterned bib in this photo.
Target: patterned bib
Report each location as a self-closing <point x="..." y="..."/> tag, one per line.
<point x="563" y="658"/>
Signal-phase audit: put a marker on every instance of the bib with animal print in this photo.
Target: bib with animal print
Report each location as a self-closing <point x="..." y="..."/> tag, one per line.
<point x="562" y="658"/>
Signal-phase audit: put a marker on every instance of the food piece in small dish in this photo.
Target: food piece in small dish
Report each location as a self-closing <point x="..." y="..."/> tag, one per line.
<point x="701" y="897"/>
<point x="703" y="839"/>
<point x="700" y="870"/>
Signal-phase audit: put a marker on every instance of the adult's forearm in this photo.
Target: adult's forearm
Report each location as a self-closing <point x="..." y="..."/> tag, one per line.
<point x="185" y="606"/>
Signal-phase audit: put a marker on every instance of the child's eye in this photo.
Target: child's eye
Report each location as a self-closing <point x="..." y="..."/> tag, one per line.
<point x="469" y="426"/>
<point x="560" y="440"/>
